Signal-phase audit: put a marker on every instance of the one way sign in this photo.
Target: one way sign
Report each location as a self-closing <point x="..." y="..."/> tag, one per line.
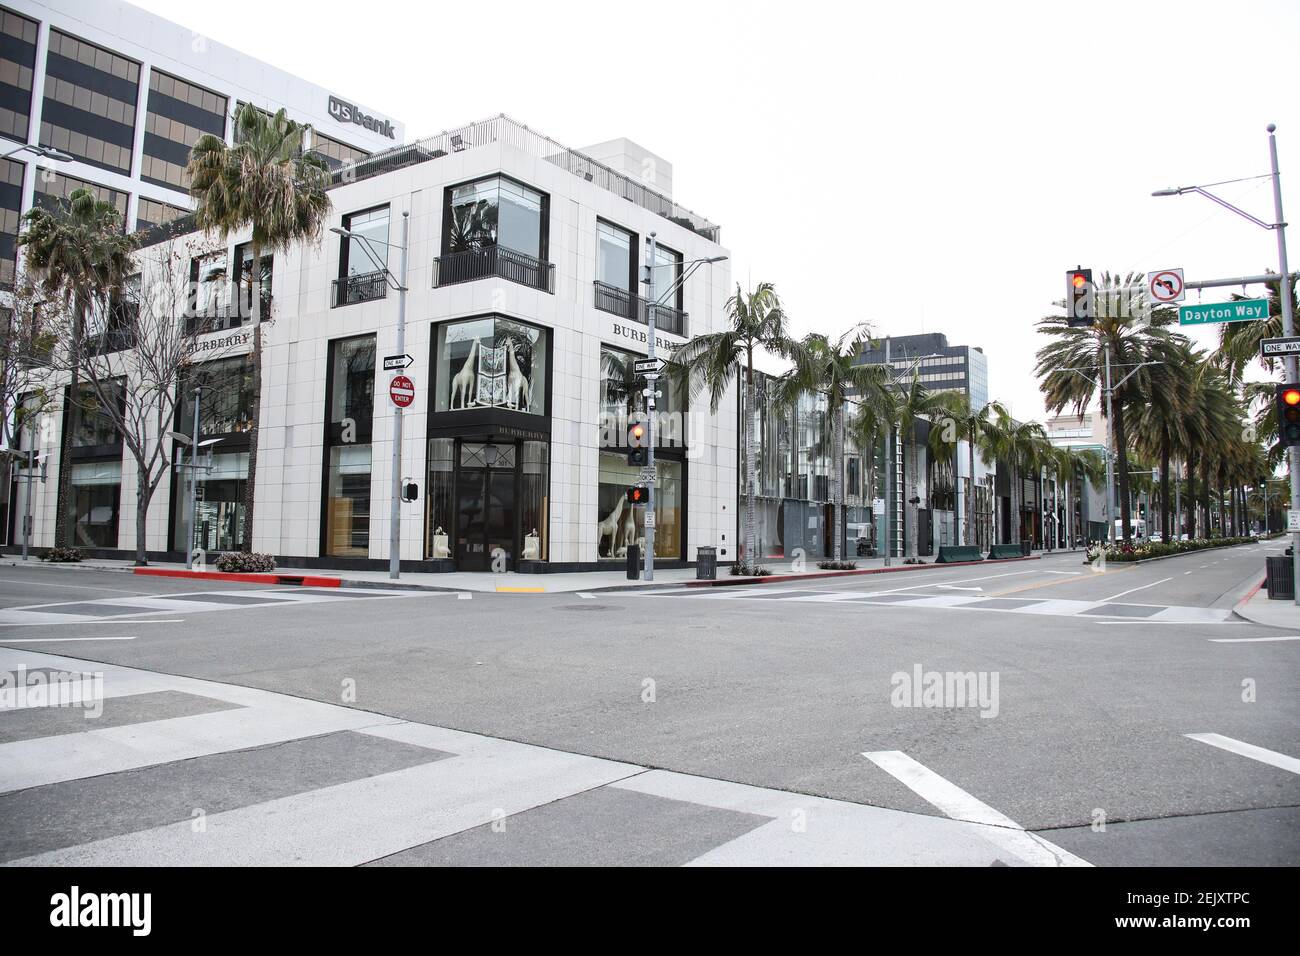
<point x="1279" y="348"/>
<point x="395" y="363"/>
<point x="648" y="366"/>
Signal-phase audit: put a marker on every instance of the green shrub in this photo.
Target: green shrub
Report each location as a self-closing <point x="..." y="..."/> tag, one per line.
<point x="62" y="555"/>
<point x="837" y="565"/>
<point x="750" y="570"/>
<point x="238" y="562"/>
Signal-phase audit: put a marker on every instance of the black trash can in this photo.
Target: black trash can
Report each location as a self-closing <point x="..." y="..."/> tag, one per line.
<point x="706" y="563"/>
<point x="634" y="562"/>
<point x="1279" y="578"/>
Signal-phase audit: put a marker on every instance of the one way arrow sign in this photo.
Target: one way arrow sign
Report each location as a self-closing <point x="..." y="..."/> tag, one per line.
<point x="395" y="363"/>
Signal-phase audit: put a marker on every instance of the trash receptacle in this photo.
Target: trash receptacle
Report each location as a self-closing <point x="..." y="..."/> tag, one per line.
<point x="706" y="563"/>
<point x="634" y="562"/>
<point x="1279" y="577"/>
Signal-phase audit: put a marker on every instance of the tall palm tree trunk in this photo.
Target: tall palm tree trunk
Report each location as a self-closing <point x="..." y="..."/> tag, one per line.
<point x="1164" y="485"/>
<point x="254" y="429"/>
<point x="970" y="491"/>
<point x="1121" y="460"/>
<point x="1190" y="465"/>
<point x="837" y="487"/>
<point x="64" y="517"/>
<point x="1205" y="495"/>
<point x="751" y="396"/>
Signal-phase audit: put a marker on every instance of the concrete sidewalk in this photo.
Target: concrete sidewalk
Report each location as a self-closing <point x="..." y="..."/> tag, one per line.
<point x="1258" y="609"/>
<point x="510" y="582"/>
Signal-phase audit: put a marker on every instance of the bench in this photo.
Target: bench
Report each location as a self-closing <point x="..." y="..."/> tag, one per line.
<point x="1003" y="551"/>
<point x="949" y="554"/>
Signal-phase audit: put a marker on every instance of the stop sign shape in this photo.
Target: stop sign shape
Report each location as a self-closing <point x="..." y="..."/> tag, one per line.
<point x="402" y="391"/>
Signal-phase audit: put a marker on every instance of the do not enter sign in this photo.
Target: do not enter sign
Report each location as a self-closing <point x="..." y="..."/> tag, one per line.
<point x="402" y="391"/>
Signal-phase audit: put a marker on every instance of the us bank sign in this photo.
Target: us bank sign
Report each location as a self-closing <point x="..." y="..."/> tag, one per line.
<point x="346" y="112"/>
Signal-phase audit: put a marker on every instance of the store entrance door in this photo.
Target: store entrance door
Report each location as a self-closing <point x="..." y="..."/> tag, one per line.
<point x="485" y="511"/>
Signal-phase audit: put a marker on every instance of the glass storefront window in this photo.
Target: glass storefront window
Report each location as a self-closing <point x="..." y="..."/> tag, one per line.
<point x="347" y="503"/>
<point x="440" y="492"/>
<point x="91" y="425"/>
<point x="352" y="386"/>
<point x="219" y="505"/>
<point x="621" y="398"/>
<point x="96" y="496"/>
<point x="350" y="412"/>
<point x="620" y="524"/>
<point x="534" y="500"/>
<point x="227" y="405"/>
<point x="490" y="362"/>
<point x="496" y="211"/>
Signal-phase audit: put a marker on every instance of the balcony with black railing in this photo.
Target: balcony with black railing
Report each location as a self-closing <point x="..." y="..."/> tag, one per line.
<point x="610" y="298"/>
<point x="221" y="316"/>
<point x="496" y="262"/>
<point x="362" y="287"/>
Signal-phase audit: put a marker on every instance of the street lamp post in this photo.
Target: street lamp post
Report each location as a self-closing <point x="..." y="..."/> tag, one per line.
<point x="1288" y="319"/>
<point x="399" y="284"/>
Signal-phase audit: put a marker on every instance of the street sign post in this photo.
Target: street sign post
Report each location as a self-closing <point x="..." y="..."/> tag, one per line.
<point x="1279" y="348"/>
<point x="396" y="363"/>
<point x="401" y="390"/>
<point x="1247" y="310"/>
<point x="1293" y="521"/>
<point x="650" y="366"/>
<point x="1166" y="286"/>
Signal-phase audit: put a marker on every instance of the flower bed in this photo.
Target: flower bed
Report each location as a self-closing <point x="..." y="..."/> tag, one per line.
<point x="1161" y="549"/>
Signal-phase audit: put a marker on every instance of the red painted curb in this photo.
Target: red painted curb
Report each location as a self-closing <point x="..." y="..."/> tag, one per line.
<point x="304" y="580"/>
<point x="773" y="578"/>
<point x="1246" y="600"/>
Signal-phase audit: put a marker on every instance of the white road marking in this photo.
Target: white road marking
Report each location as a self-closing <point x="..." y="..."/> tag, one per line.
<point x="1241" y="748"/>
<point x="1252" y="640"/>
<point x="586" y="597"/>
<point x="960" y="805"/>
<point x="953" y="587"/>
<point x="1131" y="590"/>
<point x="464" y="596"/>
<point x="115" y="621"/>
<point x="58" y="640"/>
<point x="70" y="587"/>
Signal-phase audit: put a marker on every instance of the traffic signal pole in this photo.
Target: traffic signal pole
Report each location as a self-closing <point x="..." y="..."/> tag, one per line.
<point x="651" y="381"/>
<point x="1288" y="329"/>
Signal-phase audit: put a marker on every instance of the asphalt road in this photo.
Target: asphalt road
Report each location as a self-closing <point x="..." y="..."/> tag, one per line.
<point x="1100" y="676"/>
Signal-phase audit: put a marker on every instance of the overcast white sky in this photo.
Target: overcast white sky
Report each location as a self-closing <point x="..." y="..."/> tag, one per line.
<point x="923" y="166"/>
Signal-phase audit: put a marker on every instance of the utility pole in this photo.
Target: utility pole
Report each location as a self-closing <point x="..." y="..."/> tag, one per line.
<point x="194" y="481"/>
<point x="651" y="381"/>
<point x="889" y="474"/>
<point x="395" y="508"/>
<point x="1288" y="329"/>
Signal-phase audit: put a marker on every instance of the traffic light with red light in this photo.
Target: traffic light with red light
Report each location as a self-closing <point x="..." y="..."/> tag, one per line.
<point x="1079" y="297"/>
<point x="1288" y="414"/>
<point x="638" y="495"/>
<point x="637" y="454"/>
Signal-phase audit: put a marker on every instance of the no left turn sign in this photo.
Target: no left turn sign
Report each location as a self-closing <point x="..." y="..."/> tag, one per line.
<point x="1166" y="286"/>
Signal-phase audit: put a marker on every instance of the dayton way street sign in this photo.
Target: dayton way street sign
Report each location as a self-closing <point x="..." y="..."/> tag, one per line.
<point x="1279" y="348"/>
<point x="1247" y="310"/>
<point x="402" y="391"/>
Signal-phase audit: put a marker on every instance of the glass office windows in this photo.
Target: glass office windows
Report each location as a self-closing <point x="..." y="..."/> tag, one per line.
<point x="90" y="98"/>
<point x="615" y="265"/>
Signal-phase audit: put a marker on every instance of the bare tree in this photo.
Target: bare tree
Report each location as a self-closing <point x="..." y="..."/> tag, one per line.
<point x="133" y="360"/>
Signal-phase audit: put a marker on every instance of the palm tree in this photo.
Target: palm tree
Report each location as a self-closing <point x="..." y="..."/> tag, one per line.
<point x="1024" y="447"/>
<point x="758" y="323"/>
<point x="1076" y="467"/>
<point x="973" y="426"/>
<point x="267" y="182"/>
<point x="913" y="402"/>
<point x="1160" y="418"/>
<point x="1239" y="341"/>
<point x="81" y="254"/>
<point x="831" y="369"/>
<point x="1071" y="363"/>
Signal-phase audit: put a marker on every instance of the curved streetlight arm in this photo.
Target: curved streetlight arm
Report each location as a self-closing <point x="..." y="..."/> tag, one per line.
<point x="1201" y="191"/>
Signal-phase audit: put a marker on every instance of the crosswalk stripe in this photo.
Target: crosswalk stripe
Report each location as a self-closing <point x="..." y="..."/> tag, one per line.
<point x="1240" y="747"/>
<point x="960" y="805"/>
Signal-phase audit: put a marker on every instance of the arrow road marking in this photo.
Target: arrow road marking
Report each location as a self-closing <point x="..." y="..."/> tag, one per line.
<point x="1240" y="747"/>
